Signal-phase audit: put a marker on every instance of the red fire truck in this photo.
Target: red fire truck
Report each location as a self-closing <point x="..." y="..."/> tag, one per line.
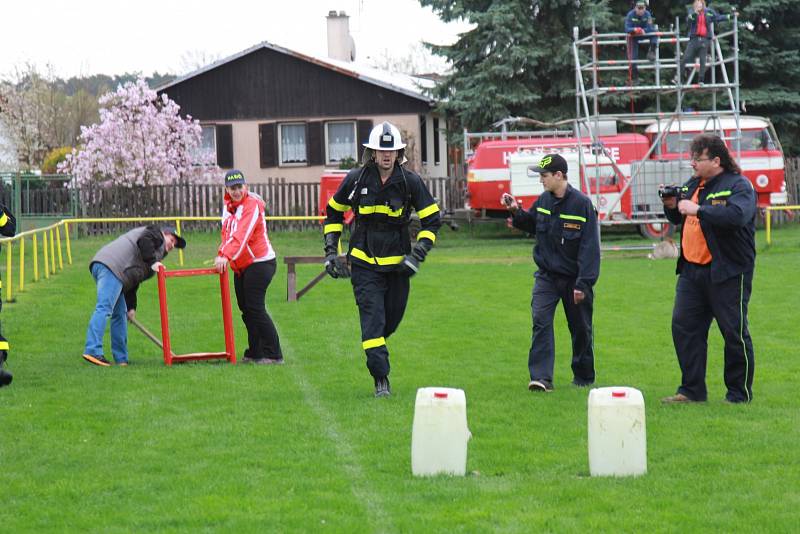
<point x="760" y="155"/>
<point x="620" y="172"/>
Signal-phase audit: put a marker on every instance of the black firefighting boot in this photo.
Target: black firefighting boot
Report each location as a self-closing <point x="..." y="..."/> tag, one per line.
<point x="382" y="387"/>
<point x="5" y="376"/>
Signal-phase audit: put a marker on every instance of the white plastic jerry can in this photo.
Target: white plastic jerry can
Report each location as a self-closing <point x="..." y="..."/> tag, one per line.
<point x="439" y="435"/>
<point x="617" y="435"/>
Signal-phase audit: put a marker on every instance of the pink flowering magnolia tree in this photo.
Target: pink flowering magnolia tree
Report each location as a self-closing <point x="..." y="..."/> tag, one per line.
<point x="140" y="140"/>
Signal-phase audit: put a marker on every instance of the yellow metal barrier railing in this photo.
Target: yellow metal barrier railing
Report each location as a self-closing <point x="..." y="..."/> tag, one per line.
<point x="51" y="244"/>
<point x="768" y="226"/>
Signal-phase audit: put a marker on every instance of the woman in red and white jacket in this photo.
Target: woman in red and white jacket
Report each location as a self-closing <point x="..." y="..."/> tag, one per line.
<point x="246" y="249"/>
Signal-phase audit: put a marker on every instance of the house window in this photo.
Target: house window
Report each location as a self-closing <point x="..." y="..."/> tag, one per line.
<point x="292" y="144"/>
<point x="208" y="144"/>
<point x="340" y="141"/>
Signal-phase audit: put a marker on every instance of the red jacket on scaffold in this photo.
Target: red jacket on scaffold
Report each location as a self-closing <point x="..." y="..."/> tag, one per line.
<point x="244" y="233"/>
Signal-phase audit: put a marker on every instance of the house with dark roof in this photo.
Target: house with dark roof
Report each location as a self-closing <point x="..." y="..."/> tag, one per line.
<point x="274" y="112"/>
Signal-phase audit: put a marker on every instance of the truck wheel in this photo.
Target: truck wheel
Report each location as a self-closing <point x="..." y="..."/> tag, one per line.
<point x="656" y="231"/>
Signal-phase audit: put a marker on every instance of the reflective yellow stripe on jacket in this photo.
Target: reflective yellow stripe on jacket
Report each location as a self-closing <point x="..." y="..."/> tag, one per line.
<point x="387" y="260"/>
<point x="572" y="217"/>
<point x="427" y="234"/>
<point x="3" y="219"/>
<point x="333" y="228"/>
<point x="430" y="210"/>
<point x="338" y="207"/>
<point x="386" y="210"/>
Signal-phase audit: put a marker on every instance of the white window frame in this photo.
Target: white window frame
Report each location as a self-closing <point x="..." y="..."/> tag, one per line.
<point x="213" y="128"/>
<point x="281" y="163"/>
<point x="355" y="142"/>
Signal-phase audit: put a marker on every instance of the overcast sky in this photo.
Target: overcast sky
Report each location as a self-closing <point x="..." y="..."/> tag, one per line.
<point x="113" y="37"/>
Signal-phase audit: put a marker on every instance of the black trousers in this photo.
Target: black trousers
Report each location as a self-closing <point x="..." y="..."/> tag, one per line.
<point x="697" y="301"/>
<point x="3" y="341"/>
<point x="633" y="49"/>
<point x="251" y="290"/>
<point x="548" y="290"/>
<point x="381" y="298"/>
<point x="697" y="47"/>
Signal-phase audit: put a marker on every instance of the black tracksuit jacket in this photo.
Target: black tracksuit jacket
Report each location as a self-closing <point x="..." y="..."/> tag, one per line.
<point x="567" y="240"/>
<point x="727" y="217"/>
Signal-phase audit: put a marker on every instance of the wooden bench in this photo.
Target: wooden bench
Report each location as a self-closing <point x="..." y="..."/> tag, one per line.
<point x="292" y="295"/>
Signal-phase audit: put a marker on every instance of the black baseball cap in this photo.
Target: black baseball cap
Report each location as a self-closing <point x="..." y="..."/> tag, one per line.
<point x="179" y="241"/>
<point x="234" y="177"/>
<point x="551" y="163"/>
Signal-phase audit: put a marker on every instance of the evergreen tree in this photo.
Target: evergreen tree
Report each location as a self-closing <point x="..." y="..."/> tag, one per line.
<point x="517" y="60"/>
<point x="770" y="65"/>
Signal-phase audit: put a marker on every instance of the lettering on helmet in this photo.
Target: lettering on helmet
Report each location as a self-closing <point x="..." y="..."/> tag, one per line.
<point x="236" y="176"/>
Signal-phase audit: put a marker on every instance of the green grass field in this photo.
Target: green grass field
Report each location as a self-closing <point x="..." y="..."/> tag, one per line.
<point x="305" y="447"/>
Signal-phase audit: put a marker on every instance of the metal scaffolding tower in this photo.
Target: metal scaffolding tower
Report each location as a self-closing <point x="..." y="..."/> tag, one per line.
<point x="597" y="68"/>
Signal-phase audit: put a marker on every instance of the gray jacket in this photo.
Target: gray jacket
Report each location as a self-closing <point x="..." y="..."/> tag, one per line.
<point x="131" y="255"/>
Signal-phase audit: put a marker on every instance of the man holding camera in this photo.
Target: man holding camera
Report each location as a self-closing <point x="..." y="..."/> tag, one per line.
<point x="716" y="209"/>
<point x="567" y="253"/>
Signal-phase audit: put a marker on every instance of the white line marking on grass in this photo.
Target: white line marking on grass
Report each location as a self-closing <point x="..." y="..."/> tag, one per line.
<point x="376" y="512"/>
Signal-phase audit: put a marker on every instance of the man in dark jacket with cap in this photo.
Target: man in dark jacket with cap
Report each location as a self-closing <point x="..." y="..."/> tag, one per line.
<point x="638" y="24"/>
<point x="118" y="269"/>
<point x="567" y="253"/>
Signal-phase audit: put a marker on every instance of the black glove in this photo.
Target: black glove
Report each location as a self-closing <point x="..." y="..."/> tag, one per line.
<point x="336" y="266"/>
<point x="411" y="262"/>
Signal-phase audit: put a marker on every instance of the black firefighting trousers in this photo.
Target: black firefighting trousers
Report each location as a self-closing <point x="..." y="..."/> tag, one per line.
<point x="697" y="301"/>
<point x="381" y="298"/>
<point x="548" y="290"/>
<point x="5" y="377"/>
<point x="251" y="290"/>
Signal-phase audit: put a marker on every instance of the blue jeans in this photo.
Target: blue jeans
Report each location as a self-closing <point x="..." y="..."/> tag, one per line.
<point x="110" y="302"/>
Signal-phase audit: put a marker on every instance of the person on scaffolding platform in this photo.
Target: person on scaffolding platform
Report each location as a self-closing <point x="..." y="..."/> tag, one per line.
<point x="639" y="22"/>
<point x="700" y="21"/>
<point x="8" y="227"/>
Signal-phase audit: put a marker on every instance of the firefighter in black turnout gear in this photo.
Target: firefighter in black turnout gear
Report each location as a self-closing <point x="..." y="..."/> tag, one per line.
<point x="567" y="253"/>
<point x="381" y="193"/>
<point x="8" y="227"/>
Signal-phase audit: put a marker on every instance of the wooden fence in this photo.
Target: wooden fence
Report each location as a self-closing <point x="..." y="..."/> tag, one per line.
<point x="52" y="198"/>
<point x="283" y="198"/>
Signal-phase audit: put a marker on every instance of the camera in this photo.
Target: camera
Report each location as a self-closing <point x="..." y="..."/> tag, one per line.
<point x="670" y="191"/>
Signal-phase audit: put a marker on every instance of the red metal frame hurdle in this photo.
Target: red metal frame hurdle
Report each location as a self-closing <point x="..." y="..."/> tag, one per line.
<point x="227" y="321"/>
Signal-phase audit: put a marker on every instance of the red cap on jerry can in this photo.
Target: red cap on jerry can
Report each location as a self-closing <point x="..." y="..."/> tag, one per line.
<point x="619" y="394"/>
<point x="440" y="394"/>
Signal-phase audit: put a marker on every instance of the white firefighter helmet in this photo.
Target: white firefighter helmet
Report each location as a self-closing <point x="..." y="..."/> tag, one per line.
<point x="385" y="136"/>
